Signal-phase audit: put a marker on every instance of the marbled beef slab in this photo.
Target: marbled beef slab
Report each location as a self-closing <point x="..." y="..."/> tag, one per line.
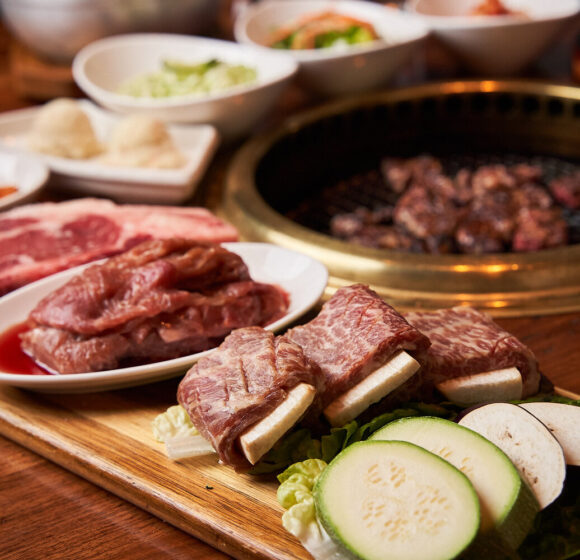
<point x="465" y="341"/>
<point x="355" y="332"/>
<point x="160" y="300"/>
<point x="239" y="384"/>
<point x="40" y="239"/>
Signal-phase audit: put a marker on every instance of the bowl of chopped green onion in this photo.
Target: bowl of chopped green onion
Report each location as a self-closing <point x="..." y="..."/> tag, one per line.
<point x="185" y="79"/>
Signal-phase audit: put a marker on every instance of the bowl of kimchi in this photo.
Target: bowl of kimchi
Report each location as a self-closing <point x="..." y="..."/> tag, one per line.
<point x="342" y="47"/>
<point x="499" y="37"/>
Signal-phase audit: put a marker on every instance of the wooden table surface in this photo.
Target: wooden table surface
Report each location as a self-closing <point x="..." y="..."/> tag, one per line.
<point x="49" y="513"/>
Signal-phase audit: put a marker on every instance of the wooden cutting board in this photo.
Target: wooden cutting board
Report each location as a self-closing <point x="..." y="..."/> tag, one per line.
<point x="107" y="439"/>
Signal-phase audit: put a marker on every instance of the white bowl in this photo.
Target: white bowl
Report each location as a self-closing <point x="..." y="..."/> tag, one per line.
<point x="500" y="45"/>
<point x="345" y="70"/>
<point x="102" y="66"/>
<point x="58" y="29"/>
<point x="27" y="173"/>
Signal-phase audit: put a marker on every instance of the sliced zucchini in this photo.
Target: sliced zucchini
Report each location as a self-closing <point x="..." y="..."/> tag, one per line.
<point x="508" y="507"/>
<point x="383" y="500"/>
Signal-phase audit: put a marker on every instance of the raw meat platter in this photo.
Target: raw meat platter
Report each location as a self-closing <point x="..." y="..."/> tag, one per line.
<point x="303" y="278"/>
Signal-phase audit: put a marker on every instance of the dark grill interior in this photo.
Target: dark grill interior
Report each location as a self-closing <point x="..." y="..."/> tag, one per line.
<point x="332" y="164"/>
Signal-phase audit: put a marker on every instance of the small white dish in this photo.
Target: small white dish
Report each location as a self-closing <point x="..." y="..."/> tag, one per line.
<point x="125" y="184"/>
<point x="302" y="277"/>
<point x="337" y="71"/>
<point x="28" y="174"/>
<point x="101" y="67"/>
<point x="58" y="29"/>
<point x="495" y="44"/>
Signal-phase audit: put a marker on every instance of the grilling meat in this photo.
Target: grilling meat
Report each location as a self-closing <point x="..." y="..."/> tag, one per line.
<point x="489" y="209"/>
<point x="566" y="190"/>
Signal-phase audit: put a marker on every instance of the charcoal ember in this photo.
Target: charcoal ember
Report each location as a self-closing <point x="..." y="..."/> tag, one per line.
<point x="539" y="228"/>
<point x="425" y="213"/>
<point x="566" y="190"/>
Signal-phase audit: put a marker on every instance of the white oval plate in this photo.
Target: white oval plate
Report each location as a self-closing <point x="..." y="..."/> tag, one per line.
<point x="303" y="278"/>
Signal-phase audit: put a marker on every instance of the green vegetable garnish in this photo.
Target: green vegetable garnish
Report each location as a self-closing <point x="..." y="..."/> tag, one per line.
<point x="179" y="78"/>
<point x="556" y="531"/>
<point x="174" y="422"/>
<point x="351" y="36"/>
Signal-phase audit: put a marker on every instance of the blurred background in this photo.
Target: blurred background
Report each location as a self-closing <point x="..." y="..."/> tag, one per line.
<point x="40" y="38"/>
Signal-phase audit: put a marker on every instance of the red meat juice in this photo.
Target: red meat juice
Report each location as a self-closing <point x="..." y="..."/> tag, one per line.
<point x="12" y="358"/>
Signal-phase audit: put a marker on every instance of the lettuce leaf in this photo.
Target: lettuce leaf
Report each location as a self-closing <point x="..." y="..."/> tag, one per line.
<point x="295" y="495"/>
<point x="174" y="422"/>
<point x="556" y="532"/>
<point x="182" y="439"/>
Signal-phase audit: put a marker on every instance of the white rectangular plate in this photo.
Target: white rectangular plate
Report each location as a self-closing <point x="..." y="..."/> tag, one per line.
<point x="198" y="143"/>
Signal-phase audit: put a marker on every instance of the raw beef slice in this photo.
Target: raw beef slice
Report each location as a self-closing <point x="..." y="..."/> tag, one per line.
<point x="37" y="240"/>
<point x="239" y="384"/>
<point x="465" y="341"/>
<point x="355" y="332"/>
<point x="160" y="300"/>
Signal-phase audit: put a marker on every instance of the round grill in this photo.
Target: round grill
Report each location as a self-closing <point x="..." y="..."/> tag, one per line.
<point x="286" y="184"/>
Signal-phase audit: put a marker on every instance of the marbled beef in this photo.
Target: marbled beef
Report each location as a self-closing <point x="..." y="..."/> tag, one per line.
<point x="354" y="333"/>
<point x="239" y="384"/>
<point x="465" y="341"/>
<point x="40" y="239"/>
<point x="160" y="300"/>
